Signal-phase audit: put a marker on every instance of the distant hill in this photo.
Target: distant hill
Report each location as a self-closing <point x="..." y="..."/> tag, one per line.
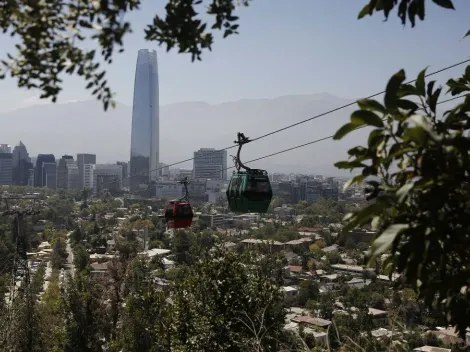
<point x="185" y="127"/>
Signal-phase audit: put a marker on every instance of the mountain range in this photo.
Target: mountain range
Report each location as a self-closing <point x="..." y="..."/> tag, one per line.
<point x="81" y="127"/>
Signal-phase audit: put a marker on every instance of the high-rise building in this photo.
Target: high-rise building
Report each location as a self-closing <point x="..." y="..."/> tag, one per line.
<point x="107" y="177"/>
<point x="82" y="160"/>
<point x="125" y="173"/>
<point x="62" y="171"/>
<point x="5" y="148"/>
<point x="49" y="175"/>
<point x="88" y="176"/>
<point x="21" y="165"/>
<point x="145" y="122"/>
<point x="210" y="163"/>
<point x="40" y="172"/>
<point x="6" y="168"/>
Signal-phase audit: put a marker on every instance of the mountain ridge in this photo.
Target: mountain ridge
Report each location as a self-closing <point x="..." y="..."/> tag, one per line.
<point x="74" y="127"/>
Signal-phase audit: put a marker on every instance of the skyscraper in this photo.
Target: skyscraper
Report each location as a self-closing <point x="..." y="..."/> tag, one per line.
<point x="44" y="171"/>
<point x="21" y="165"/>
<point x="145" y="122"/>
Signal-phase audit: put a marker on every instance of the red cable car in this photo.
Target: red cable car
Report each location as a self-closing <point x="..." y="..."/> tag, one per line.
<point x="178" y="213"/>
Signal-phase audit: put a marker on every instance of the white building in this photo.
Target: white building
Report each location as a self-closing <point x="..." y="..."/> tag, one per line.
<point x="210" y="163"/>
<point x="215" y="189"/>
<point x="73" y="176"/>
<point x="168" y="189"/>
<point x="88" y="175"/>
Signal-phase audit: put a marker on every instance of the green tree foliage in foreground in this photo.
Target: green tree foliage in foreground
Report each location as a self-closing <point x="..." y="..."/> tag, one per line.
<point x="421" y="194"/>
<point x="50" y="37"/>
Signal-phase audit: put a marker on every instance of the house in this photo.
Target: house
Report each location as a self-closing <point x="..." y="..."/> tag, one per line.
<point x="379" y="317"/>
<point x="99" y="270"/>
<point x="431" y="349"/>
<point x="229" y="246"/>
<point x="308" y="321"/>
<point x="111" y="245"/>
<point x="289" y="291"/>
<point x="357" y="283"/>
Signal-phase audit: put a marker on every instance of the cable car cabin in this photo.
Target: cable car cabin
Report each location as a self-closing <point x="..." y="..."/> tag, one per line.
<point x="249" y="192"/>
<point x="178" y="215"/>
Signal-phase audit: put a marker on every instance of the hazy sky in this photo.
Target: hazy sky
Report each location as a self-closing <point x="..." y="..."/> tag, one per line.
<point x="284" y="47"/>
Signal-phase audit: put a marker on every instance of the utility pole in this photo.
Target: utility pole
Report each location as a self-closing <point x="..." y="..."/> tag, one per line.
<point x="20" y="259"/>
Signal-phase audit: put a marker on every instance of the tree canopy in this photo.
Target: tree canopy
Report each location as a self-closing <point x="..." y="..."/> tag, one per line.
<point x="420" y="194"/>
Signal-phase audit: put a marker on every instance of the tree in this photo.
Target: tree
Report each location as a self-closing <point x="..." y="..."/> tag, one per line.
<point x="59" y="253"/>
<point x="147" y="315"/>
<point x="416" y="166"/>
<point x="182" y="243"/>
<point x="227" y="302"/>
<point x="308" y="290"/>
<point x="80" y="257"/>
<point x="84" y="315"/>
<point x="50" y="38"/>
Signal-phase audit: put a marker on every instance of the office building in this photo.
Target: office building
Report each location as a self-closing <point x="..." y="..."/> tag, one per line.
<point x="82" y="160"/>
<point x="49" y="175"/>
<point x="5" y="148"/>
<point x="39" y="173"/>
<point x="145" y="122"/>
<point x="107" y="177"/>
<point x="87" y="176"/>
<point x="168" y="189"/>
<point x="21" y="165"/>
<point x="73" y="176"/>
<point x="62" y="171"/>
<point x="6" y="169"/>
<point x="125" y="173"/>
<point x="210" y="163"/>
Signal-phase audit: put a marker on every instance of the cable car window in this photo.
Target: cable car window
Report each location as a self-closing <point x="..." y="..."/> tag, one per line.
<point x="169" y="211"/>
<point x="183" y="210"/>
<point x="263" y="187"/>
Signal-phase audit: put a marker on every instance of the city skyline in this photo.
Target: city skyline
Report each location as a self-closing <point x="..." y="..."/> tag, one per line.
<point x="144" y="153"/>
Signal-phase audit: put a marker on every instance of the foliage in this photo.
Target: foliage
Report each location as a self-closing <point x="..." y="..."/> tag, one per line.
<point x="59" y="253"/>
<point x="420" y="203"/>
<point x="50" y="38"/>
<point x="84" y="315"/>
<point x="80" y="257"/>
<point x="227" y="302"/>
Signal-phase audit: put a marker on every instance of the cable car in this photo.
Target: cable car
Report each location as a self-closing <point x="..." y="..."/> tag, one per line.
<point x="249" y="191"/>
<point x="178" y="213"/>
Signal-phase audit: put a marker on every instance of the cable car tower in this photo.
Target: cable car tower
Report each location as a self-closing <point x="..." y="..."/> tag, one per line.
<point x="249" y="189"/>
<point x="20" y="270"/>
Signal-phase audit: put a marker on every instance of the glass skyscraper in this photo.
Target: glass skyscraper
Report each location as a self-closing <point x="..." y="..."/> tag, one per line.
<point x="145" y="122"/>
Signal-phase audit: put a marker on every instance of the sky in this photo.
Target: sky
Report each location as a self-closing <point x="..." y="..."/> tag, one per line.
<point x="284" y="47"/>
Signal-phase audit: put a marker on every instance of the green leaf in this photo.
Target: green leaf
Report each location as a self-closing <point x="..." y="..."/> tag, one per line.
<point x="375" y="138"/>
<point x="421" y="83"/>
<point x="447" y="4"/>
<point x="466" y="34"/>
<point x="385" y="240"/>
<point x="415" y="134"/>
<point x="364" y="12"/>
<point x="371" y="104"/>
<point x="355" y="179"/>
<point x="407" y="105"/>
<point x="366" y="117"/>
<point x="424" y="123"/>
<point x="391" y="91"/>
<point x="344" y="130"/>
<point x="349" y="164"/>
<point x="364" y="215"/>
<point x="402" y="193"/>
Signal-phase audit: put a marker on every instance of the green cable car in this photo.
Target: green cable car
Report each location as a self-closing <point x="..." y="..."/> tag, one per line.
<point x="249" y="191"/>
